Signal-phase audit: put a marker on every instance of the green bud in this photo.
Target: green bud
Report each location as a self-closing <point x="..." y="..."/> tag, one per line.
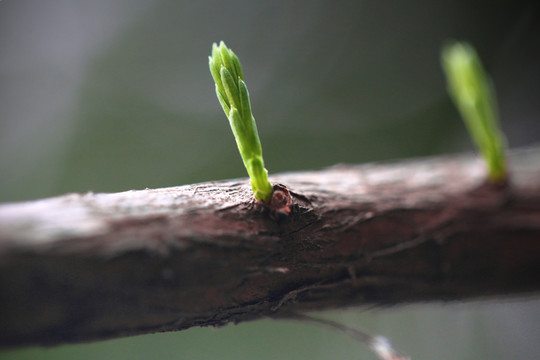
<point x="233" y="96"/>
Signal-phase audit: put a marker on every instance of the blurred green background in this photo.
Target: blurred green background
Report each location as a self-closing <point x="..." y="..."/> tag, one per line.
<point x="114" y="95"/>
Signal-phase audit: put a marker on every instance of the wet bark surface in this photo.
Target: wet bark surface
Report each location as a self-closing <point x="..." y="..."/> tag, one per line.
<point x="84" y="267"/>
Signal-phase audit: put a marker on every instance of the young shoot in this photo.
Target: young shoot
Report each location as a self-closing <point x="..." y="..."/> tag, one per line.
<point x="233" y="96"/>
<point x="473" y="94"/>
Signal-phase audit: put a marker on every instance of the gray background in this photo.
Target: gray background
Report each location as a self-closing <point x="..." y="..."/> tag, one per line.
<point x="115" y="95"/>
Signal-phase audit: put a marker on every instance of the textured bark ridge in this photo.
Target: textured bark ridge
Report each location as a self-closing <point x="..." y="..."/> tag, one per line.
<point x="96" y="266"/>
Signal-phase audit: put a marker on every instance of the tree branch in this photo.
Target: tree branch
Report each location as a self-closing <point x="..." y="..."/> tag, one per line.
<point x="96" y="266"/>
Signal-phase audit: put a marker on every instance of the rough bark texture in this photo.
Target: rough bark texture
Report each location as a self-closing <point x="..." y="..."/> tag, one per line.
<point x="95" y="266"/>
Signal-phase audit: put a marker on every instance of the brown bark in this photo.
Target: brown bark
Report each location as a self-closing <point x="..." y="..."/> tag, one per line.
<point x="95" y="266"/>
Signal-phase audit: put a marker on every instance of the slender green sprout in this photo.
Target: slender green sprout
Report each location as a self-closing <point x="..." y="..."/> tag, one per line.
<point x="471" y="90"/>
<point x="233" y="96"/>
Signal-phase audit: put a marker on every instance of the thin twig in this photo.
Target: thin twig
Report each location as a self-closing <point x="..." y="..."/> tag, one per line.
<point x="380" y="345"/>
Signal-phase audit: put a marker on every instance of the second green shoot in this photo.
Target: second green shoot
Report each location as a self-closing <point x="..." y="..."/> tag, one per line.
<point x="472" y="91"/>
